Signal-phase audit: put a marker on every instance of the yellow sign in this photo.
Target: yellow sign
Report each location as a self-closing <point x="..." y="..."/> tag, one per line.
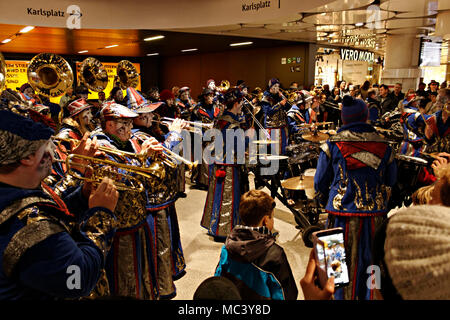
<point x="110" y="68"/>
<point x="16" y="75"/>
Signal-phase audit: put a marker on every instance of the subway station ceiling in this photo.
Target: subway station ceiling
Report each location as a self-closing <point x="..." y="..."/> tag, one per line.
<point x="362" y="24"/>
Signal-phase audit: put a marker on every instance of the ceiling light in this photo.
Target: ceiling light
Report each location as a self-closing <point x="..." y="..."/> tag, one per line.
<point x="26" y="29"/>
<point x="240" y="44"/>
<point x="6" y="40"/>
<point x="359" y="24"/>
<point x="153" y="38"/>
<point x="188" y="50"/>
<point x="152" y="54"/>
<point x="112" y="46"/>
<point x="84" y="51"/>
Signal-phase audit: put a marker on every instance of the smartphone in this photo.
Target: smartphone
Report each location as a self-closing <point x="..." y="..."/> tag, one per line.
<point x="330" y="256"/>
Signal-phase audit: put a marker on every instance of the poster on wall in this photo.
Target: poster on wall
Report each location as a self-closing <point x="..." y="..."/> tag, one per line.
<point x="354" y="72"/>
<point x="110" y="68"/>
<point x="16" y="75"/>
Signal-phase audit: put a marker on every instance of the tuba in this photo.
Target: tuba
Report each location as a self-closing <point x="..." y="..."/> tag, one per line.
<point x="2" y="72"/>
<point x="127" y="75"/>
<point x="49" y="74"/>
<point x="93" y="74"/>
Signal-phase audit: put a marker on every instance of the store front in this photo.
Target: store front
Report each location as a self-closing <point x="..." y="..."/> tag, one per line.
<point x="352" y="65"/>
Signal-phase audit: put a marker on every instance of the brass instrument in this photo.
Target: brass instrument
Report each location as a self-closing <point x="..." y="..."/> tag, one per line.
<point x="291" y="97"/>
<point x="2" y="72"/>
<point x="224" y="86"/>
<point x="49" y="74"/>
<point x="138" y="156"/>
<point x="93" y="74"/>
<point x="127" y="75"/>
<point x="203" y="125"/>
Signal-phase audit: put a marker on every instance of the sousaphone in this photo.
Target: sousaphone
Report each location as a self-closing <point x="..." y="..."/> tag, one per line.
<point x="93" y="74"/>
<point x="49" y="74"/>
<point x="127" y="75"/>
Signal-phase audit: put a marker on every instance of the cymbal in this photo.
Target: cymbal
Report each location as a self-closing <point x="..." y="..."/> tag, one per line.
<point x="315" y="137"/>
<point x="328" y="131"/>
<point x="265" y="141"/>
<point x="298" y="183"/>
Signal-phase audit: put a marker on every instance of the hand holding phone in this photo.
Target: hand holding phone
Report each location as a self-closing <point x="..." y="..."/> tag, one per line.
<point x="330" y="255"/>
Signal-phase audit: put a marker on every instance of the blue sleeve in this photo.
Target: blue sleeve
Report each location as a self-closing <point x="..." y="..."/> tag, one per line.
<point x="45" y="266"/>
<point x="293" y="128"/>
<point x="323" y="177"/>
<point x="171" y="139"/>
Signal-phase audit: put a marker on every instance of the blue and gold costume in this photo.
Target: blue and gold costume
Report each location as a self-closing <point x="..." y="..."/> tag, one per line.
<point x="227" y="182"/>
<point x="440" y="140"/>
<point x="163" y="221"/>
<point x="355" y="174"/>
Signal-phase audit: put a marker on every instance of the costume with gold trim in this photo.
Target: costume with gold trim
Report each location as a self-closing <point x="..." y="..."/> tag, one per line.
<point x="355" y="174"/>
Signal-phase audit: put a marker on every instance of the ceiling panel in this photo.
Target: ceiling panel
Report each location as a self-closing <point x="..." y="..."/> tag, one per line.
<point x="408" y="23"/>
<point x="340" y="5"/>
<point x="348" y="17"/>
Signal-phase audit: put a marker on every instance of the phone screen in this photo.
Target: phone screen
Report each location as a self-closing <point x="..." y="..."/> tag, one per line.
<point x="334" y="256"/>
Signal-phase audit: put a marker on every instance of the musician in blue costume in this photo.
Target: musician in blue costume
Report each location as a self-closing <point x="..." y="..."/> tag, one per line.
<point x="355" y="173"/>
<point x="206" y="111"/>
<point x="413" y="127"/>
<point x="437" y="133"/>
<point x="161" y="197"/>
<point x="227" y="181"/>
<point x="44" y="239"/>
<point x="185" y="102"/>
<point x="274" y="106"/>
<point x="131" y="266"/>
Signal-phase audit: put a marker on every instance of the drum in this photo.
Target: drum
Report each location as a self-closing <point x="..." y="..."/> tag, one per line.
<point x="408" y="169"/>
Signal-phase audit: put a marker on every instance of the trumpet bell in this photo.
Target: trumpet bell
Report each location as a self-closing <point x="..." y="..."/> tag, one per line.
<point x="49" y="74"/>
<point x="93" y="74"/>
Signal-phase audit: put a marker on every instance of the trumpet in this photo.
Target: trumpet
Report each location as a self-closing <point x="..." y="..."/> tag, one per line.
<point x="191" y="123"/>
<point x="141" y="157"/>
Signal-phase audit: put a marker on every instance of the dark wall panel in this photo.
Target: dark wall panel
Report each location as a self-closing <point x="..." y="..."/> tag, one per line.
<point x="254" y="66"/>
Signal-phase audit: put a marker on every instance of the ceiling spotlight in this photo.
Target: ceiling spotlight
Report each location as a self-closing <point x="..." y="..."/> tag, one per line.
<point x="359" y="24"/>
<point x="111" y="46"/>
<point x="188" y="50"/>
<point x="240" y="44"/>
<point x="154" y="38"/>
<point x="83" y="51"/>
<point x="6" y="40"/>
<point x="152" y="54"/>
<point x="26" y="29"/>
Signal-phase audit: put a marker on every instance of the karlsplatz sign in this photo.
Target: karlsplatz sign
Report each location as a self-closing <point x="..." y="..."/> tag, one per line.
<point x="357" y="55"/>
<point x="144" y="14"/>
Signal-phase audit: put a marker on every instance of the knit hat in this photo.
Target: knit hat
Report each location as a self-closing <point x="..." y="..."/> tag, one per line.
<point x="183" y="89"/>
<point x="217" y="288"/>
<point x="20" y="136"/>
<point x="137" y="103"/>
<point x="273" y="82"/>
<point x="353" y="110"/>
<point x="166" y="94"/>
<point x="417" y="252"/>
<point x="78" y="106"/>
